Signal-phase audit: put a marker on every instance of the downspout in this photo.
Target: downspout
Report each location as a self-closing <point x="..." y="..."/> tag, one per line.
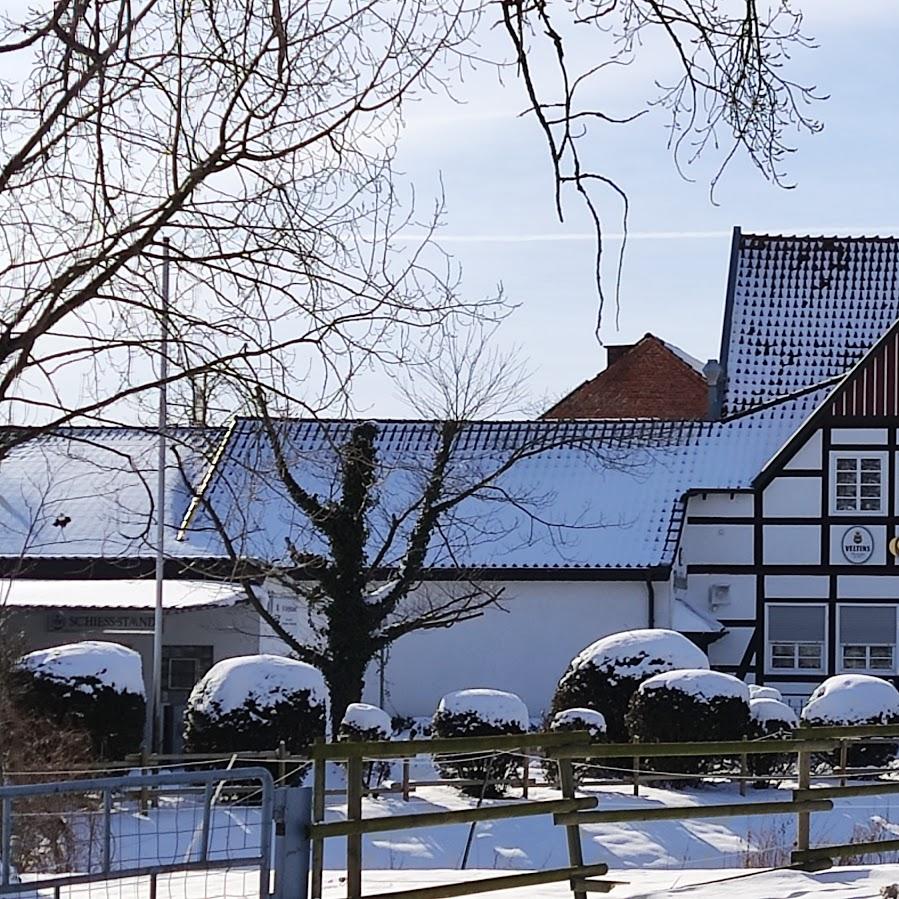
<point x="651" y="601"/>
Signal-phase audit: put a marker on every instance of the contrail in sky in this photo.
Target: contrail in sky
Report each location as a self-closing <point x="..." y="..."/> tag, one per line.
<point x="575" y="236"/>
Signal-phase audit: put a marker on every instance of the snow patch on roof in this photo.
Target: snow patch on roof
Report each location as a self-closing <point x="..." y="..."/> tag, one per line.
<point x="263" y="680"/>
<point x="126" y="594"/>
<point x="698" y="682"/>
<point x="684" y="356"/>
<point x="805" y="309"/>
<point x="852" y="699"/>
<point x="112" y="664"/>
<point x="495" y="706"/>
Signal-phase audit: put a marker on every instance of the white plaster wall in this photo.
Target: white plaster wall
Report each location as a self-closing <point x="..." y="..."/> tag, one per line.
<point x="741" y="597"/>
<point x="858" y="435"/>
<point x="788" y="544"/>
<point x="793" y="586"/>
<point x="523" y="649"/>
<point x="720" y="504"/>
<point x="808" y="455"/>
<point x="713" y="544"/>
<point x="787" y="497"/>
<point x="870" y="586"/>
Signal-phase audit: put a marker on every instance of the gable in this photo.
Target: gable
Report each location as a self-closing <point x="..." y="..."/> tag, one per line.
<point x="652" y="379"/>
<point x="872" y="389"/>
<point x="802" y="310"/>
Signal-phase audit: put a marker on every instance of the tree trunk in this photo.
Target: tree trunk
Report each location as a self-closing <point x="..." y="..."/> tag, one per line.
<point x="345" y="683"/>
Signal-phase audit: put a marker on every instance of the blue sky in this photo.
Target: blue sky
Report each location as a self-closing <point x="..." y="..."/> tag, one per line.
<point x="500" y="224"/>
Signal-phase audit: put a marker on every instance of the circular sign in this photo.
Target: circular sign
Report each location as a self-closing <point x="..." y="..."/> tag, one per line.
<point x="858" y="545"/>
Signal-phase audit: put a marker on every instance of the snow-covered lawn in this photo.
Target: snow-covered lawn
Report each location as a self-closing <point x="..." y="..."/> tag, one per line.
<point x="839" y="883"/>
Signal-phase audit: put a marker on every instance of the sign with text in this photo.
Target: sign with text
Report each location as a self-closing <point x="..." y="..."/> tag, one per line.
<point x="73" y="622"/>
<point x="857" y="545"/>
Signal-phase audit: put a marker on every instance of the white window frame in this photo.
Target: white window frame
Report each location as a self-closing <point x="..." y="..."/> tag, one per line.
<point x="769" y="644"/>
<point x="881" y="456"/>
<point x="840" y="667"/>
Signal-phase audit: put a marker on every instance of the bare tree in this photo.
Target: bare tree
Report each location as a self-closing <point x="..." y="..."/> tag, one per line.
<point x="259" y="138"/>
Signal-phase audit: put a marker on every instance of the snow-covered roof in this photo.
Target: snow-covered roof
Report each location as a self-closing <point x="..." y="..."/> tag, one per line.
<point x="687" y="619"/>
<point x="114" y="594"/>
<point x="587" y="494"/>
<point x="802" y="310"/>
<point x="684" y="356"/>
<point x="90" y="492"/>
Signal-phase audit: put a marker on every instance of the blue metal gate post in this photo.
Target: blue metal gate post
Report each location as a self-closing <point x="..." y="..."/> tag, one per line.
<point x="293" y="815"/>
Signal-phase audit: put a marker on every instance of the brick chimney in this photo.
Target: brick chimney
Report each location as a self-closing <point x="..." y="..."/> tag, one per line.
<point x="614" y="353"/>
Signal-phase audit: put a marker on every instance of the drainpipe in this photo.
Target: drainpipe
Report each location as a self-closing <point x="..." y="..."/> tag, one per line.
<point x="651" y="597"/>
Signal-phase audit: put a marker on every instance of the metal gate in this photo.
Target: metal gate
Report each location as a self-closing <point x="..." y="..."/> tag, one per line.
<point x="163" y="836"/>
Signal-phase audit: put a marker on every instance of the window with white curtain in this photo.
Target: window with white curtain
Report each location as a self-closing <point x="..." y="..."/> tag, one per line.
<point x="796" y="637"/>
<point x="867" y="638"/>
<point x="857" y="482"/>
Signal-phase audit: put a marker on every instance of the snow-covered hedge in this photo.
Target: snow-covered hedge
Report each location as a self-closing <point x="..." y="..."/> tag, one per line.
<point x="606" y="674"/>
<point x="847" y="699"/>
<point x="365" y="722"/>
<point x="251" y="703"/>
<point x="574" y="720"/>
<point x="757" y="692"/>
<point x="92" y="686"/>
<point x="691" y="705"/>
<point x="769" y="719"/>
<point x="475" y="713"/>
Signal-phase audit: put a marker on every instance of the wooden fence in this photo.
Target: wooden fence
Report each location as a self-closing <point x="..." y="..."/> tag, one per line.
<point x="572" y="811"/>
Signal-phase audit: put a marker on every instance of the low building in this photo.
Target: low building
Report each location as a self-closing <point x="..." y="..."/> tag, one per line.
<point x="768" y="533"/>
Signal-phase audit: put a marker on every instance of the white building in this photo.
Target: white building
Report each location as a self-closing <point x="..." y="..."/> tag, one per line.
<point x="764" y="534"/>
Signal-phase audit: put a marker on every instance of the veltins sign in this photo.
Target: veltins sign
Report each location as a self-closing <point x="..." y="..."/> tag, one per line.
<point x="858" y="545"/>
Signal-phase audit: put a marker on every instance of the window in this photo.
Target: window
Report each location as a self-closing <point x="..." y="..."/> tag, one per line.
<point x="857" y="482"/>
<point x="796" y="638"/>
<point x="867" y="638"/>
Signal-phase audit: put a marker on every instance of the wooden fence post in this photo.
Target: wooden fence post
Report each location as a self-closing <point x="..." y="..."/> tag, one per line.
<point x="804" y="819"/>
<point x="525" y="776"/>
<point x="572" y="831"/>
<point x="744" y="771"/>
<point x="406" y="771"/>
<point x="318" y="815"/>
<point x="281" y="756"/>
<point x="636" y="775"/>
<point x="844" y="755"/>
<point x="354" y="787"/>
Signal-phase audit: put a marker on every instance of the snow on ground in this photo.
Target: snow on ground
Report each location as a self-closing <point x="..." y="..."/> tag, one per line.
<point x="850" y="699"/>
<point x="642" y="652"/>
<point x="112" y="664"/>
<point x="839" y="883"/>
<point x="495" y="706"/>
<point x="263" y="679"/>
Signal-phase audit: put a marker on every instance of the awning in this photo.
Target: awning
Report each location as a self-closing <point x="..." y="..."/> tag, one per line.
<point x="111" y="594"/>
<point x="688" y="620"/>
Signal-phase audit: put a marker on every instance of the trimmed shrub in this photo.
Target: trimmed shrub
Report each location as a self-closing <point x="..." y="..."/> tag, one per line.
<point x="576" y="720"/>
<point x="606" y="674"/>
<point x="93" y="687"/>
<point x="689" y="706"/>
<point x="757" y="692"/>
<point x="252" y="703"/>
<point x="365" y="723"/>
<point x="847" y="699"/>
<point x="769" y="719"/>
<point x="476" y="713"/>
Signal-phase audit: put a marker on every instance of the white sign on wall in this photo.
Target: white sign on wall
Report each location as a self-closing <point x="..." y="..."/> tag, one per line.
<point x="857" y="545"/>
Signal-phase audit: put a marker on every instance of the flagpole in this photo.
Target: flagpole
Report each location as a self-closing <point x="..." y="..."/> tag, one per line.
<point x="156" y="714"/>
